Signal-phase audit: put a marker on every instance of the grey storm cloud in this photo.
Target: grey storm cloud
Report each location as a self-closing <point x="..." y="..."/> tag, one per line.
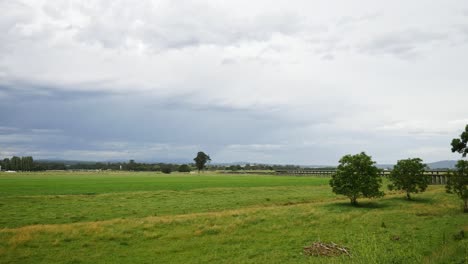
<point x="302" y="82"/>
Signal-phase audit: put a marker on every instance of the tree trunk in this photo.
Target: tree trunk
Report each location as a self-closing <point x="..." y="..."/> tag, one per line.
<point x="466" y="206"/>
<point x="408" y="197"/>
<point x="353" y="200"/>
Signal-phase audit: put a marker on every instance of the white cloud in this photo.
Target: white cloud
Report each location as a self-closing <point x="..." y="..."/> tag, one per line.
<point x="425" y="128"/>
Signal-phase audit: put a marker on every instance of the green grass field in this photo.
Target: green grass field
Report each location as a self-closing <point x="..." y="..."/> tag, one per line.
<point x="63" y="217"/>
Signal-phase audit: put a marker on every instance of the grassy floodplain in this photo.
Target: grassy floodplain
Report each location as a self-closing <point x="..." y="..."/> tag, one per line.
<point x="125" y="217"/>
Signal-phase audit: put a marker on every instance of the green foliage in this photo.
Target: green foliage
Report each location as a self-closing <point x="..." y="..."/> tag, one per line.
<point x="6" y="164"/>
<point x="200" y="160"/>
<point x="357" y="176"/>
<point x="459" y="235"/>
<point x="234" y="168"/>
<point x="166" y="169"/>
<point x="457" y="182"/>
<point x="27" y="163"/>
<point x="131" y="165"/>
<point x="19" y="164"/>
<point x="15" y="163"/>
<point x="184" y="168"/>
<point x="459" y="144"/>
<point x="408" y="175"/>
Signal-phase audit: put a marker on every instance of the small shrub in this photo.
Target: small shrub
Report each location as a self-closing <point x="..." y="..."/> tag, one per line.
<point x="459" y="236"/>
<point x="166" y="169"/>
<point x="184" y="168"/>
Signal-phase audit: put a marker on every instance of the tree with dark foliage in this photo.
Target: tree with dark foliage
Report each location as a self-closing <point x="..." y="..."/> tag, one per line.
<point x="459" y="144"/>
<point x="357" y="176"/>
<point x="166" y="169"/>
<point x="457" y="182"/>
<point x="408" y="175"/>
<point x="200" y="160"/>
<point x="184" y="168"/>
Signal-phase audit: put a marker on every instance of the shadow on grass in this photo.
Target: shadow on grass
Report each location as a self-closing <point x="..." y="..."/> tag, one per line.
<point x="414" y="200"/>
<point x="340" y="206"/>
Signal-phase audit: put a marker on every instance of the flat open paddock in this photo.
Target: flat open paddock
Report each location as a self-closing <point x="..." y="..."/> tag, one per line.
<point x="129" y="217"/>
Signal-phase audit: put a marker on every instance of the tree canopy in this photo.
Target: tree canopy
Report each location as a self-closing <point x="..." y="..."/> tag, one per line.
<point x="19" y="164"/>
<point x="200" y="160"/>
<point x="166" y="169"/>
<point x="357" y="176"/>
<point x="184" y="168"/>
<point x="408" y="175"/>
<point x="459" y="144"/>
<point x="457" y="182"/>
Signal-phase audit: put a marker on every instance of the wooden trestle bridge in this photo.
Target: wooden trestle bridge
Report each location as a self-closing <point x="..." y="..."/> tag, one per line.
<point x="436" y="176"/>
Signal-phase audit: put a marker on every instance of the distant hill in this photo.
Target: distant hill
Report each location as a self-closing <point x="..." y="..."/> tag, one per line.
<point x="443" y="164"/>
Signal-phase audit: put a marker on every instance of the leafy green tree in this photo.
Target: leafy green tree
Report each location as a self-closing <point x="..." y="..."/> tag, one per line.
<point x="357" y="176"/>
<point x="156" y="168"/>
<point x="6" y="164"/>
<point x="15" y="163"/>
<point x="457" y="182"/>
<point x="27" y="163"/>
<point x="184" y="168"/>
<point x="234" y="168"/>
<point x="131" y="165"/>
<point x="166" y="169"/>
<point x="200" y="160"/>
<point x="459" y="144"/>
<point x="408" y="175"/>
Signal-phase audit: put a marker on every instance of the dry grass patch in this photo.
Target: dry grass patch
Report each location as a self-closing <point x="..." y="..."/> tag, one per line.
<point x="325" y="249"/>
<point x="20" y="237"/>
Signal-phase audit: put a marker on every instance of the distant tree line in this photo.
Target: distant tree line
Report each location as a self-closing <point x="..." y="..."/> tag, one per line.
<point x="28" y="164"/>
<point x="19" y="164"/>
<point x="264" y="167"/>
<point x="131" y="165"/>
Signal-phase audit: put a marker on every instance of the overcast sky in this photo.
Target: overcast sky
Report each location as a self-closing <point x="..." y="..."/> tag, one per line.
<point x="301" y="82"/>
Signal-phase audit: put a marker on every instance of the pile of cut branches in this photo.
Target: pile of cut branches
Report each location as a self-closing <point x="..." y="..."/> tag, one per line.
<point x="325" y="249"/>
